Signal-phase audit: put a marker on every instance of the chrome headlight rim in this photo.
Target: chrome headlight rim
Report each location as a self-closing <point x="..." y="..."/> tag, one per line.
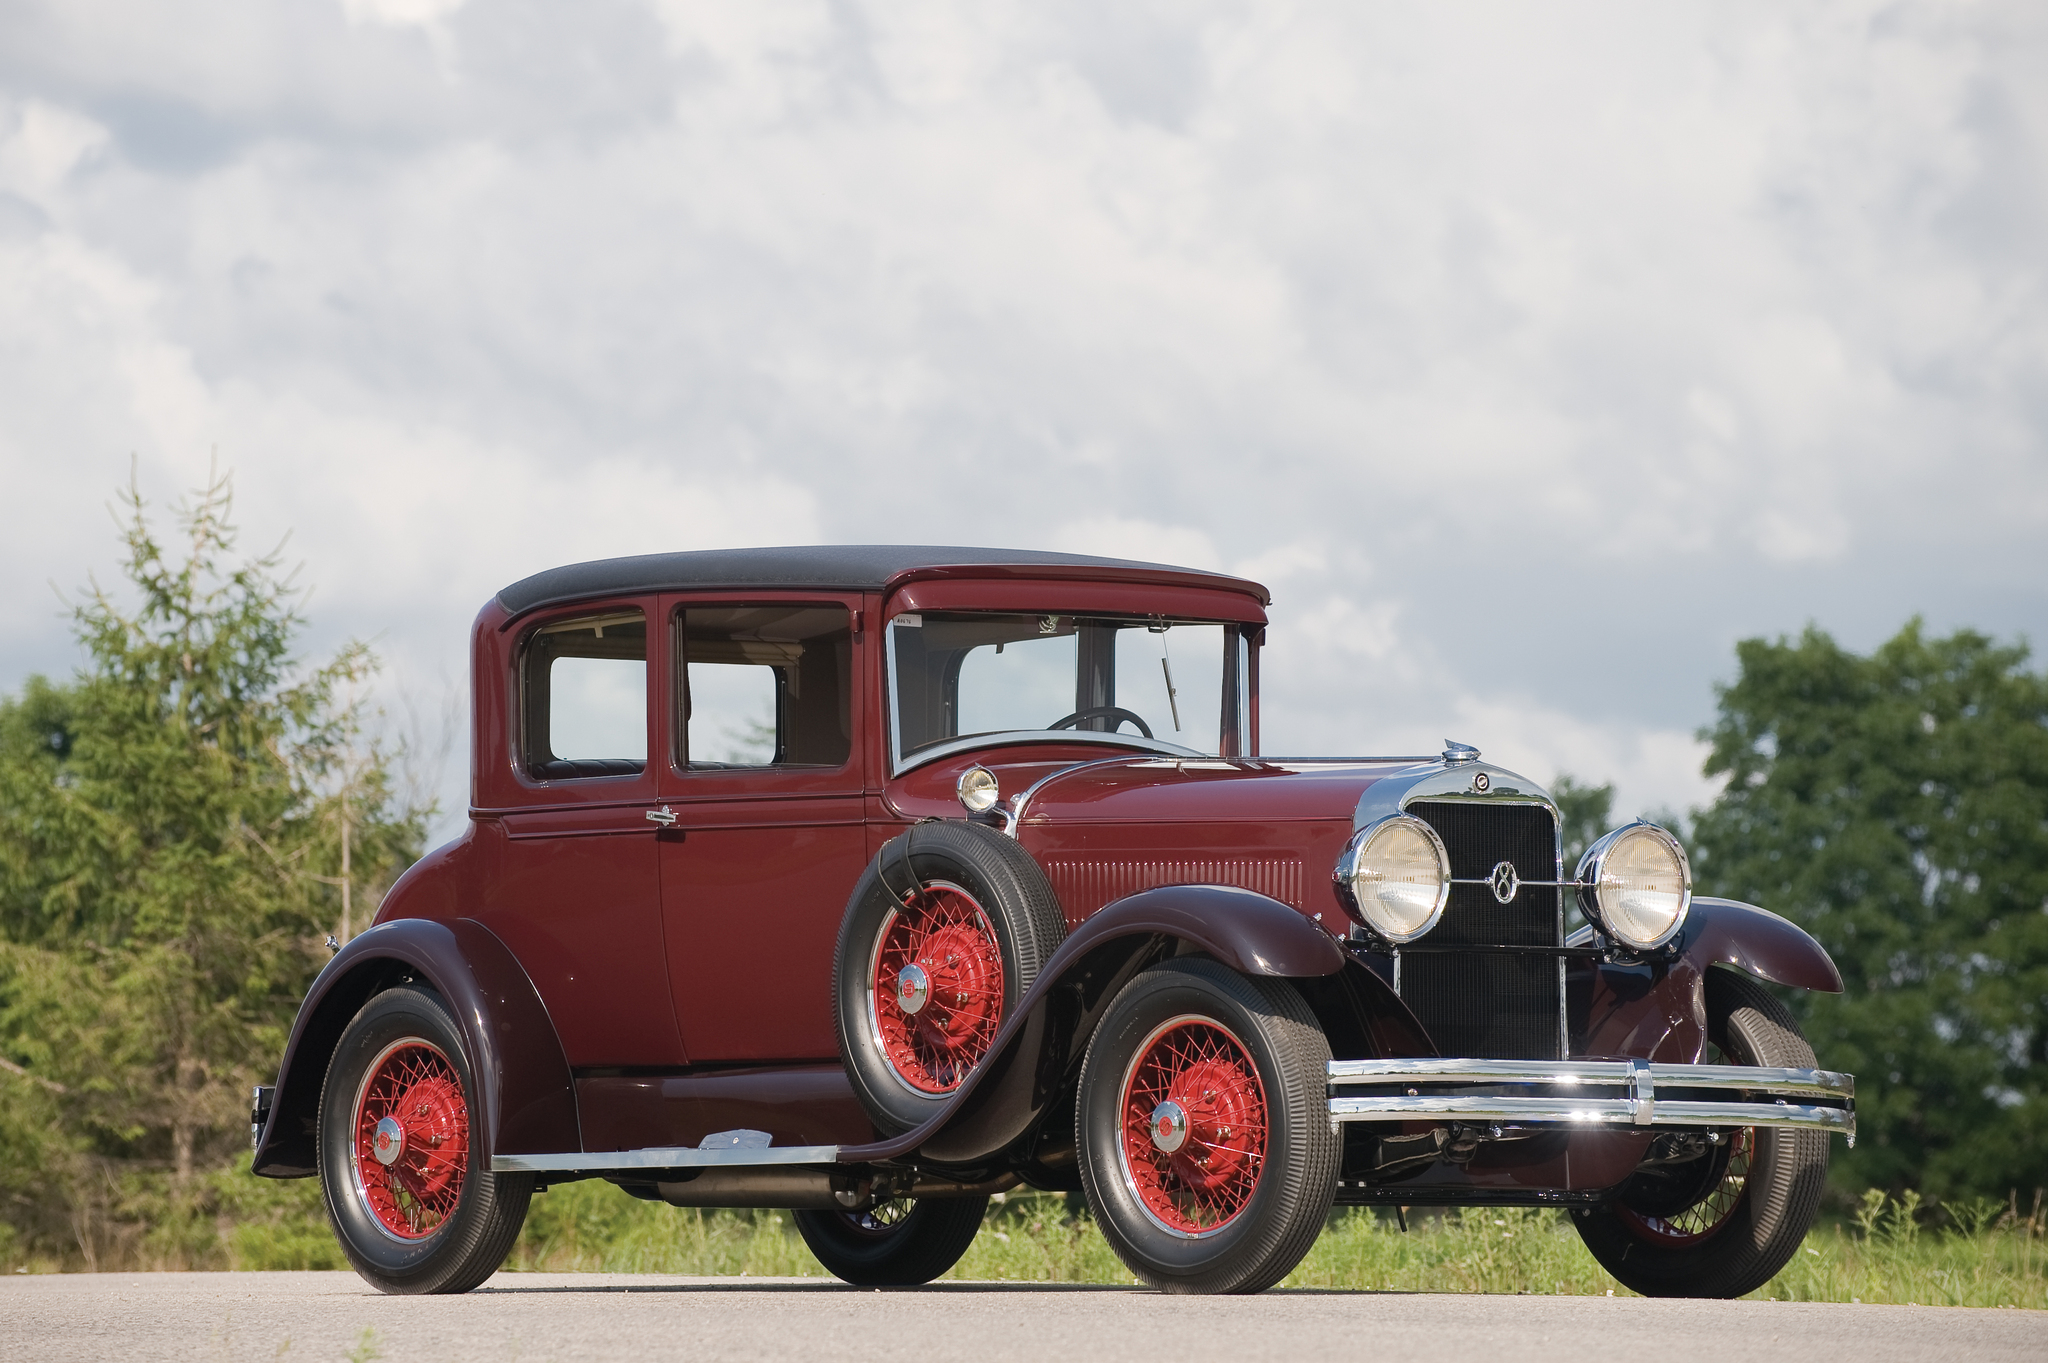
<point x="1593" y="865"/>
<point x="1346" y="873"/>
<point x="978" y="790"/>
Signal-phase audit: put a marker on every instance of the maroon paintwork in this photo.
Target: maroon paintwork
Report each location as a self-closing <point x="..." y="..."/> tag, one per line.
<point x="625" y="987"/>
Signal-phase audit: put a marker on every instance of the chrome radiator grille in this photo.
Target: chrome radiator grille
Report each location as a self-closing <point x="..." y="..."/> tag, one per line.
<point x="1490" y="1004"/>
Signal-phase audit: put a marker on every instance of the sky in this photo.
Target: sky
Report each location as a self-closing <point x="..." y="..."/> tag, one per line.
<point x="1531" y="355"/>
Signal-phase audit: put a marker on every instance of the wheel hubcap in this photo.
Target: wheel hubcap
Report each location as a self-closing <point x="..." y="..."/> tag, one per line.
<point x="936" y="988"/>
<point x="387" y="1143"/>
<point x="1195" y="1126"/>
<point x="411" y="1139"/>
<point x="1169" y="1127"/>
<point x="913" y="988"/>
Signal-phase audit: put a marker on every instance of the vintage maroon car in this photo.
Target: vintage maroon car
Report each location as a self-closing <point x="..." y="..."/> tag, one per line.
<point x="869" y="882"/>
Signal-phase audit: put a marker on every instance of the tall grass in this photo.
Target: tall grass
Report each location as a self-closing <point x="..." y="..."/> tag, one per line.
<point x="1986" y="1255"/>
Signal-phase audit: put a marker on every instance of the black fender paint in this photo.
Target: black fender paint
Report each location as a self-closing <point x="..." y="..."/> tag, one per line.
<point x="525" y="1102"/>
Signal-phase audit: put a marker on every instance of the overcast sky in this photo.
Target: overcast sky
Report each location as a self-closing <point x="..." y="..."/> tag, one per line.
<point x="1532" y="354"/>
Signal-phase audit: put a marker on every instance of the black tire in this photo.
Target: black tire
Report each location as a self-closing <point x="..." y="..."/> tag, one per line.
<point x="898" y="1244"/>
<point x="455" y="1237"/>
<point x="1722" y="1225"/>
<point x="969" y="865"/>
<point x="1269" y="1215"/>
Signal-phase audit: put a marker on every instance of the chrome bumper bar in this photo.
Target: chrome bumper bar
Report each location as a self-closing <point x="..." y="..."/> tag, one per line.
<point x="1605" y="1093"/>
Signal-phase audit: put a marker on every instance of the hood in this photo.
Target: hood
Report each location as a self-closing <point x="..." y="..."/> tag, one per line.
<point x="1357" y="791"/>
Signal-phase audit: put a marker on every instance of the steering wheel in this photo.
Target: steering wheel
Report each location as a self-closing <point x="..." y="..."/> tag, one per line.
<point x="1116" y="713"/>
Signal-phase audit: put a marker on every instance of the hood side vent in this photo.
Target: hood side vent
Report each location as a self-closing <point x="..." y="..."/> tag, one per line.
<point x="1086" y="883"/>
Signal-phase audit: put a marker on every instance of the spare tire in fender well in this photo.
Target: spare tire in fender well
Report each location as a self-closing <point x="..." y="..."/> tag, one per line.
<point x="1039" y="1050"/>
<point x="526" y="1103"/>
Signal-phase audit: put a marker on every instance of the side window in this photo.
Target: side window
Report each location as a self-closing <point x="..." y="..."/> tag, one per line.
<point x="765" y="686"/>
<point x="583" y="697"/>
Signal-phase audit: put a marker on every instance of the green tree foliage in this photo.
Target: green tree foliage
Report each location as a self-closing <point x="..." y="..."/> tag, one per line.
<point x="1588" y="813"/>
<point x="171" y="831"/>
<point x="1896" y="806"/>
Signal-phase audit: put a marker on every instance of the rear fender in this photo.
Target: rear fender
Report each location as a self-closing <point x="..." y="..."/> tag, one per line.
<point x="1034" y="1059"/>
<point x="525" y="1103"/>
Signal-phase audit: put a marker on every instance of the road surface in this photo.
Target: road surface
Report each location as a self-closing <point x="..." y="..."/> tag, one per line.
<point x="530" y="1317"/>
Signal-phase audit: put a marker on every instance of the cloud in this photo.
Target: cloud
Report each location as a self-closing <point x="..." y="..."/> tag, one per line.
<point x="1533" y="358"/>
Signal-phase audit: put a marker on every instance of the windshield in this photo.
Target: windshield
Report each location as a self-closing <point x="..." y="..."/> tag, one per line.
<point x="1170" y="685"/>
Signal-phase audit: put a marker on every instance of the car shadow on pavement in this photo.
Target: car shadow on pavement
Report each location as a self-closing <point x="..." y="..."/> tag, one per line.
<point x="827" y="1285"/>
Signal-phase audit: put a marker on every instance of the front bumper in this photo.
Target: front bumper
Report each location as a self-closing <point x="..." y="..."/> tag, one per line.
<point x="1591" y="1093"/>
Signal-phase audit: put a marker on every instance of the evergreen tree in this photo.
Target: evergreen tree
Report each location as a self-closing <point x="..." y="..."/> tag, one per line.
<point x="172" y="826"/>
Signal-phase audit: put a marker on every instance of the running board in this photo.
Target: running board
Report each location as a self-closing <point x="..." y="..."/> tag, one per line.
<point x="1636" y="1093"/>
<point x="723" y="1150"/>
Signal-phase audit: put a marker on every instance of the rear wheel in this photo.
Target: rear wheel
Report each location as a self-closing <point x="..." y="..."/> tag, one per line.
<point x="405" y="1177"/>
<point x="1724" y="1222"/>
<point x="1204" y="1128"/>
<point x="900" y="1243"/>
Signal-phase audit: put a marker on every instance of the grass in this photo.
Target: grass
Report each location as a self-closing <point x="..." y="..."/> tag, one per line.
<point x="1889" y="1250"/>
<point x="1987" y="1255"/>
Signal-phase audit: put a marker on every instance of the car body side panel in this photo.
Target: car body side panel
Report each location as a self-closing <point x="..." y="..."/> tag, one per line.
<point x="575" y="893"/>
<point x="794" y="1104"/>
<point x="524" y="1104"/>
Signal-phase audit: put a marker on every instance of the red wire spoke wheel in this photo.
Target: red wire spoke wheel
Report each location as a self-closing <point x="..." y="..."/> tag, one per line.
<point x="1194" y="1126"/>
<point x="405" y="1173"/>
<point x="411" y="1145"/>
<point x="942" y="938"/>
<point x="936" y="988"/>
<point x="1202" y="1127"/>
<point x="1703" y="1219"/>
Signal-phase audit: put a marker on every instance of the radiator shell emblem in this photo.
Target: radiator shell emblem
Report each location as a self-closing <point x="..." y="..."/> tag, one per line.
<point x="1506" y="884"/>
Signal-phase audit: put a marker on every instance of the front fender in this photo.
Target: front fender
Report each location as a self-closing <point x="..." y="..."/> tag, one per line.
<point x="1034" y="1057"/>
<point x="525" y="1102"/>
<point x="1658" y="1009"/>
<point x="1728" y="932"/>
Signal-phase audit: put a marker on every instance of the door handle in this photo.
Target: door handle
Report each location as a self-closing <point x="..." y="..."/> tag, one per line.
<point x="664" y="816"/>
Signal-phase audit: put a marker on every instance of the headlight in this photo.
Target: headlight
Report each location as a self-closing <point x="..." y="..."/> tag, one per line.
<point x="1637" y="884"/>
<point x="978" y="790"/>
<point x="1394" y="877"/>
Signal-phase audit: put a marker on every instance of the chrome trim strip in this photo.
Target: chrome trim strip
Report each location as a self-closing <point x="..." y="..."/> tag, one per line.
<point x="1022" y="799"/>
<point x="1580" y="1073"/>
<point x="1633" y="1099"/>
<point x="679" y="1157"/>
<point x="1593" y="1112"/>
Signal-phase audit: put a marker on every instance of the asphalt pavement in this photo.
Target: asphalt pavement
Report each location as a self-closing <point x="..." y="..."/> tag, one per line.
<point x="532" y="1316"/>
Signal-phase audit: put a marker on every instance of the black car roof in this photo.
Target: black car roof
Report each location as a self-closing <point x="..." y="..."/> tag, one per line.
<point x="850" y="567"/>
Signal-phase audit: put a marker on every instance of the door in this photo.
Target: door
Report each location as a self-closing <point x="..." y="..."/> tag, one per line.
<point x="576" y="892"/>
<point x="764" y="779"/>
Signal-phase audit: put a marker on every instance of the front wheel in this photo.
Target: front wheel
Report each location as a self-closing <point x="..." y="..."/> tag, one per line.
<point x="900" y="1243"/>
<point x="1720" y="1224"/>
<point x="1204" y="1128"/>
<point x="406" y="1179"/>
